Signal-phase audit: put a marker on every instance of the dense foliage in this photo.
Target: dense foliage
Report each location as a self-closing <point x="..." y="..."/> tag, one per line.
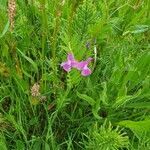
<point x="43" y="107"/>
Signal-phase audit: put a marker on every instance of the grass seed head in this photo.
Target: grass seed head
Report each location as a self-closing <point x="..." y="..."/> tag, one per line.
<point x="11" y="12"/>
<point x="35" y="90"/>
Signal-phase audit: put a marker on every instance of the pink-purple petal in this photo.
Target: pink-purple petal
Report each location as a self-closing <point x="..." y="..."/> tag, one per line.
<point x="86" y="72"/>
<point x="72" y="63"/>
<point x="81" y="65"/>
<point x="66" y="66"/>
<point x="70" y="57"/>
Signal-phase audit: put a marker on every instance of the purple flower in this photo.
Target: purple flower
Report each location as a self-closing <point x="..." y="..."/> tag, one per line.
<point x="83" y="66"/>
<point x="70" y="63"/>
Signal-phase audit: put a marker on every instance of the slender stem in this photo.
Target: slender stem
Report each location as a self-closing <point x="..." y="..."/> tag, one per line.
<point x="44" y="33"/>
<point x="44" y="27"/>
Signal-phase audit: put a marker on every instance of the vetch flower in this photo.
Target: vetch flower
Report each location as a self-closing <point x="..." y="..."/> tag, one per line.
<point x="70" y="63"/>
<point x="83" y="66"/>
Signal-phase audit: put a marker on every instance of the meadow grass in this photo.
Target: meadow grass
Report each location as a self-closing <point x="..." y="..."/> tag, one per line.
<point x="43" y="107"/>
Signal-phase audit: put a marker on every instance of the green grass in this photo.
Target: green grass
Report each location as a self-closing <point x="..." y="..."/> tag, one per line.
<point x="108" y="110"/>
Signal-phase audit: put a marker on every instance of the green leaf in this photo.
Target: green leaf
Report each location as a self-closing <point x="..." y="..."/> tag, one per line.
<point x="122" y="91"/>
<point x="20" y="145"/>
<point x="103" y="95"/>
<point x="88" y="99"/>
<point x="95" y="104"/>
<point x="139" y="105"/>
<point x="124" y="99"/>
<point x="5" y="29"/>
<point x="95" y="113"/>
<point x="140" y="29"/>
<point x="2" y="143"/>
<point x="37" y="145"/>
<point x="29" y="60"/>
<point x="138" y="128"/>
<point x="47" y="147"/>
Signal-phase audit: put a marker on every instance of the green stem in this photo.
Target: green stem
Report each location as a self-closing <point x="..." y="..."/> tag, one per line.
<point x="44" y="27"/>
